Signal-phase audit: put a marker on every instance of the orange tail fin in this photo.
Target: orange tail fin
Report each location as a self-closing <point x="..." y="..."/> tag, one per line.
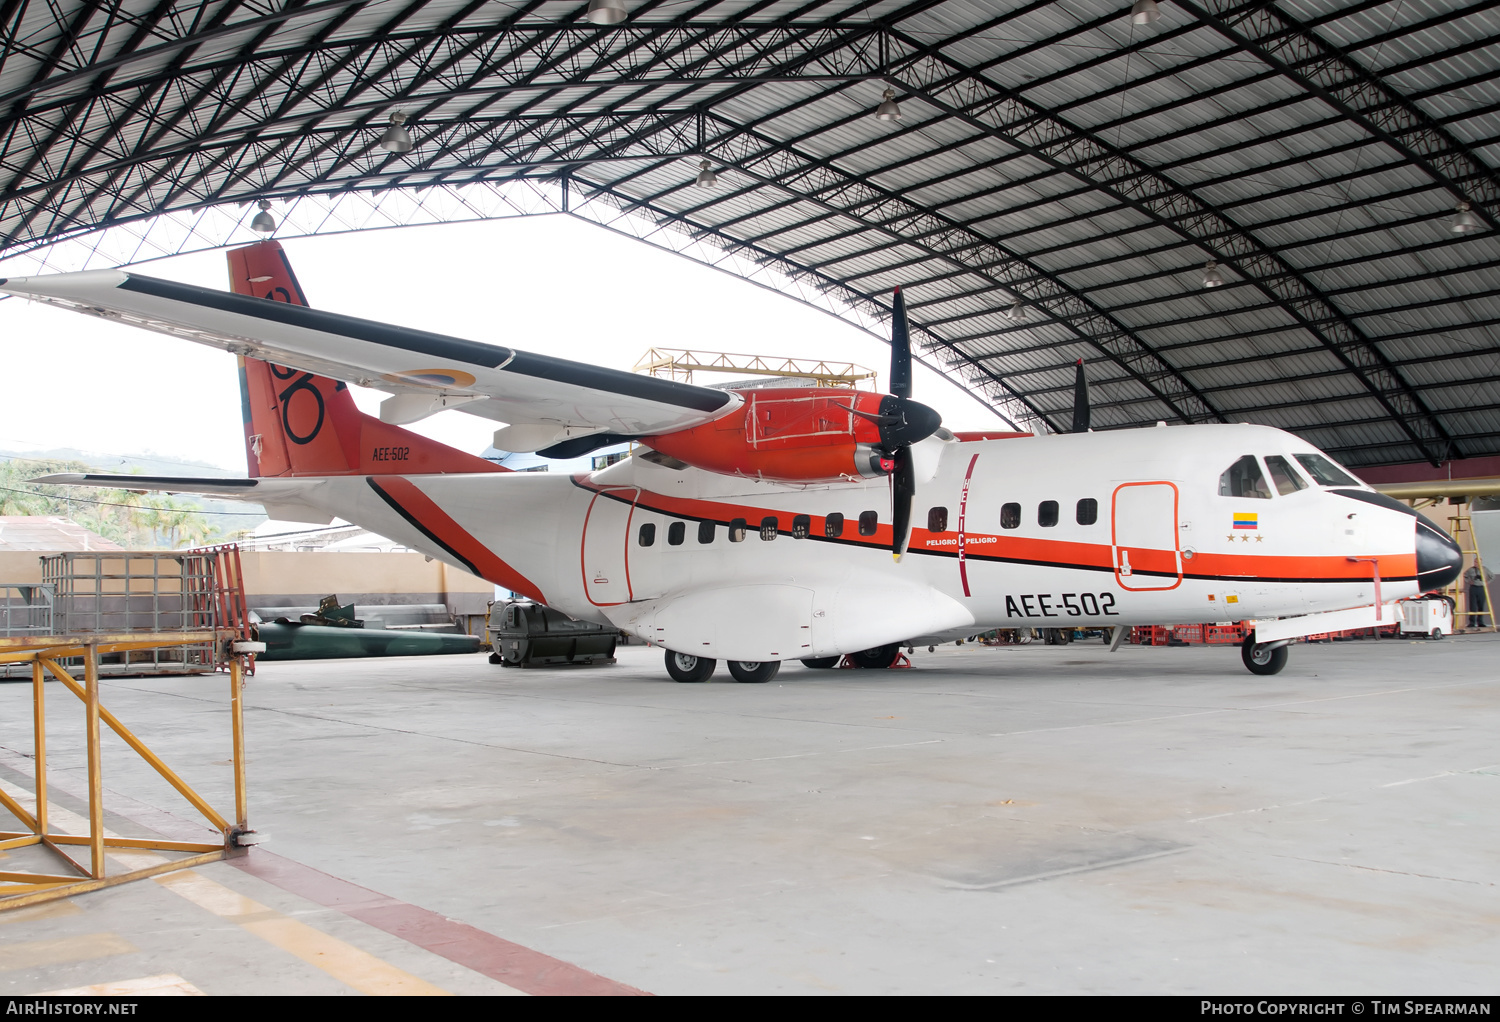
<point x="299" y="424"/>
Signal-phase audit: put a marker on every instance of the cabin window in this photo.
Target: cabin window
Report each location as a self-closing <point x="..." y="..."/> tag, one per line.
<point x="737" y="530"/>
<point x="833" y="525"/>
<point x="647" y="534"/>
<point x="867" y="521"/>
<point x="1324" y="472"/>
<point x="676" y="533"/>
<point x="937" y="520"/>
<point x="705" y="532"/>
<point x="1088" y="511"/>
<point x="768" y="529"/>
<point x="1010" y="516"/>
<point x="1284" y="476"/>
<point x="801" y="526"/>
<point x="1243" y="479"/>
<point x="1046" y="514"/>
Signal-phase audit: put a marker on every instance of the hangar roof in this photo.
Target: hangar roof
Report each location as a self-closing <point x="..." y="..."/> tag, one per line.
<point x="1057" y="180"/>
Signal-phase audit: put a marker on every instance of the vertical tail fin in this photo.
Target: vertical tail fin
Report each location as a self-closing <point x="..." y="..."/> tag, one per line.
<point x="301" y="424"/>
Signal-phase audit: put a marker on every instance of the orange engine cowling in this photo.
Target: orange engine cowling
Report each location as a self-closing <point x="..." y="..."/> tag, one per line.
<point x="794" y="435"/>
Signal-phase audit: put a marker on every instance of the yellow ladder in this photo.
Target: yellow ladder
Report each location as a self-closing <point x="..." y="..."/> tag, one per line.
<point x="1463" y="534"/>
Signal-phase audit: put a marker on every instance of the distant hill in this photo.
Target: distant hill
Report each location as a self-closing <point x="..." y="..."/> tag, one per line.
<point x="228" y="516"/>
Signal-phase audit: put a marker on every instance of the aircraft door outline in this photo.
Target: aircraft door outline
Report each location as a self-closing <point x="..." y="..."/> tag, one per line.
<point x="604" y="553"/>
<point x="1144" y="537"/>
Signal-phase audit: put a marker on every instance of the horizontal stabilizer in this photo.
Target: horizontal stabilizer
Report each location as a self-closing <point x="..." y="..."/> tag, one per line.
<point x="285" y="500"/>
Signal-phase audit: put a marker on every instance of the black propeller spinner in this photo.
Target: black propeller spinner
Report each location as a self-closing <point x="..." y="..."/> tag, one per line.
<point x="902" y="422"/>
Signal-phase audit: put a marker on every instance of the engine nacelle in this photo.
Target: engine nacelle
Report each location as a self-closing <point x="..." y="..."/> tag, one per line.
<point x="793" y="435"/>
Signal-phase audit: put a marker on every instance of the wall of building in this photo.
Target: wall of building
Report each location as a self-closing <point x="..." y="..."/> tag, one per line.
<point x="285" y="579"/>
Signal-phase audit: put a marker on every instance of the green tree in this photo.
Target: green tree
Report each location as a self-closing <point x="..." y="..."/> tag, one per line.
<point x="132" y="519"/>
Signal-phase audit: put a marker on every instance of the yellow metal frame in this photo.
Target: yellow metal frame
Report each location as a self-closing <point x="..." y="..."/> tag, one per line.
<point x="678" y="363"/>
<point x="19" y="888"/>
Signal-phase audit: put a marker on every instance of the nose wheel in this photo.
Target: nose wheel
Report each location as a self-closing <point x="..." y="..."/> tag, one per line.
<point x="1263" y="658"/>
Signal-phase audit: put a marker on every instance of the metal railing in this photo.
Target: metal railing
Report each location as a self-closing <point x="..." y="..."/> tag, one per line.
<point x="26" y="609"/>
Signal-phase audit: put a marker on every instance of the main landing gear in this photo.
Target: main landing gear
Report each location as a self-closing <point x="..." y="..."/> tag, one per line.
<point x="1266" y="658"/>
<point x="875" y="659"/>
<point x="686" y="668"/>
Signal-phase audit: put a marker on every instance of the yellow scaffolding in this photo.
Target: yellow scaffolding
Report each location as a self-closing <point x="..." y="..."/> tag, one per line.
<point x="20" y="888"/>
<point x="680" y="364"/>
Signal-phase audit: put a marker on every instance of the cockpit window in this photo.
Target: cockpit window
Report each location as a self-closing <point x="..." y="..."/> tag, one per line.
<point x="1243" y="479"/>
<point x="1284" y="476"/>
<point x="1325" y="472"/>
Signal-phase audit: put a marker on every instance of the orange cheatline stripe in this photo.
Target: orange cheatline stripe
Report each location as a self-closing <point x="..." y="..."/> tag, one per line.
<point x="423" y="513"/>
<point x="983" y="546"/>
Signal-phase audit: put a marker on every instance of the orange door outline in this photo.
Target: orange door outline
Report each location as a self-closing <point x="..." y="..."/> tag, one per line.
<point x="1121" y="557"/>
<point x="620" y="495"/>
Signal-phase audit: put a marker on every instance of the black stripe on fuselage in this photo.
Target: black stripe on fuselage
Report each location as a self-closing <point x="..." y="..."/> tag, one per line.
<point x="491" y="356"/>
<point x="412" y="520"/>
<point x="970" y="556"/>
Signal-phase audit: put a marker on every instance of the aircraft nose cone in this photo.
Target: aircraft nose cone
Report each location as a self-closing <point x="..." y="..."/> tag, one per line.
<point x="1439" y="560"/>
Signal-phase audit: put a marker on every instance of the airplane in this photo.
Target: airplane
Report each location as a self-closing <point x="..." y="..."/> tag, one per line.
<point x="766" y="525"/>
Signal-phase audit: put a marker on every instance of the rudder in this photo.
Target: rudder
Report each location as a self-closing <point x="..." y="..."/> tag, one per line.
<point x="300" y="424"/>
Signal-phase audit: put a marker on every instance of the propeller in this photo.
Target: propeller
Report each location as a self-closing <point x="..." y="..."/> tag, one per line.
<point x="1080" y="400"/>
<point x="902" y="422"/>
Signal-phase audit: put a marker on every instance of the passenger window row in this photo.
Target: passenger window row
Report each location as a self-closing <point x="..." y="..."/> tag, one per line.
<point x="1085" y="512"/>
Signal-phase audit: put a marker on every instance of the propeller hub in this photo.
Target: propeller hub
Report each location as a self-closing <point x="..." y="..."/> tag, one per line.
<point x="906" y="422"/>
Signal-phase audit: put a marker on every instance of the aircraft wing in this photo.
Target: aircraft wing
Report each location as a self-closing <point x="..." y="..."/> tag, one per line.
<point x="285" y="500"/>
<point x="550" y="399"/>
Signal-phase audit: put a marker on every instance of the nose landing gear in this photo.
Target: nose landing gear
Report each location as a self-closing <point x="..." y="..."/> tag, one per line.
<point x="1266" y="658"/>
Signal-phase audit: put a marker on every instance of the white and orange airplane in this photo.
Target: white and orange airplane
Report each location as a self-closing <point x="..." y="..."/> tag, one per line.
<point x="758" y="526"/>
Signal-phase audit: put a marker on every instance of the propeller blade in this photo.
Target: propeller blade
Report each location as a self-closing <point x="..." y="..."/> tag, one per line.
<point x="900" y="349"/>
<point x="879" y="420"/>
<point x="1080" y="400"/>
<point x="903" y="490"/>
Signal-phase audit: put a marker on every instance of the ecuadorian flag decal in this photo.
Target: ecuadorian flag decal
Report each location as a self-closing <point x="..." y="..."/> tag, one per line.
<point x="1245" y="519"/>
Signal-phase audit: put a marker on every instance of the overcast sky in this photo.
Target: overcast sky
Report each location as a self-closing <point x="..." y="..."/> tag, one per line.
<point x="549" y="284"/>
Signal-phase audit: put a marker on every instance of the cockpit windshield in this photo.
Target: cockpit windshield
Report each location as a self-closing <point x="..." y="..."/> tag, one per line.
<point x="1283" y="475"/>
<point x="1243" y="479"/>
<point x="1325" y="472"/>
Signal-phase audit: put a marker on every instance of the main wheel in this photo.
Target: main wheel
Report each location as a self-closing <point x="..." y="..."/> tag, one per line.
<point x="750" y="672"/>
<point x="1437" y="633"/>
<point x="685" y="667"/>
<point x="875" y="659"/>
<point x="820" y="663"/>
<point x="1259" y="659"/>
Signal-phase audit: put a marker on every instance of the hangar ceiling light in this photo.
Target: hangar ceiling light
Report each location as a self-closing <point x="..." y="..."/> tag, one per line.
<point x="1144" y="12"/>
<point x="1464" y="220"/>
<point x="396" y="138"/>
<point x="264" y="222"/>
<point x="1211" y="275"/>
<point x="606" y="12"/>
<point x="888" y="110"/>
<point x="706" y="177"/>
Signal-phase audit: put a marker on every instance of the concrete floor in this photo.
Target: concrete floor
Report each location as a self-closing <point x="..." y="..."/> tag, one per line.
<point x="1019" y="819"/>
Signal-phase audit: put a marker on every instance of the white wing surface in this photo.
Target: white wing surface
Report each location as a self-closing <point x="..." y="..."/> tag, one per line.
<point x="499" y="383"/>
